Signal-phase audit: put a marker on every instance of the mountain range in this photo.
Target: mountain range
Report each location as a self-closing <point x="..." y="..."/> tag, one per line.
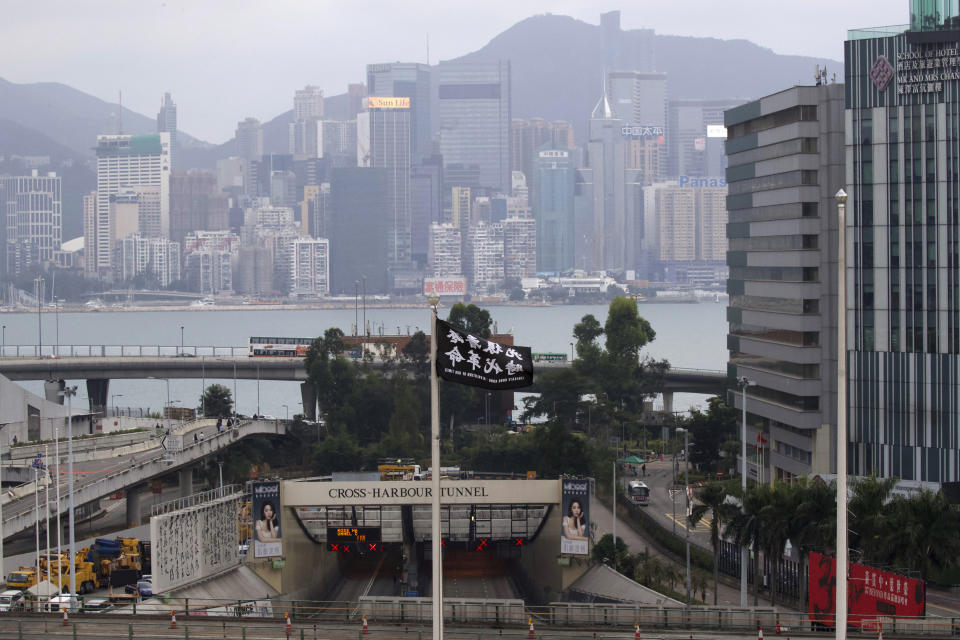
<point x="557" y="64"/>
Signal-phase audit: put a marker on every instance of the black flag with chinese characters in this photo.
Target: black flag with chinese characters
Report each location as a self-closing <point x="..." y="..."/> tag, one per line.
<point x="467" y="359"/>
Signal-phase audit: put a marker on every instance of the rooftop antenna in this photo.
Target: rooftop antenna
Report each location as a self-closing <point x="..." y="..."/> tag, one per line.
<point x="816" y="75"/>
<point x="120" y="117"/>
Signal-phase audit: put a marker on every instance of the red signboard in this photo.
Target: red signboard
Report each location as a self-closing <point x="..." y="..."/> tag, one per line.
<point x="872" y="594"/>
<point x="452" y="286"/>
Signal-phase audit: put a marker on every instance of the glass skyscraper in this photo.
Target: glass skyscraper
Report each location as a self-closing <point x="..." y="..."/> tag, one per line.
<point x="407" y="80"/>
<point x="475" y="120"/>
<point x="903" y="245"/>
<point x="553" y="209"/>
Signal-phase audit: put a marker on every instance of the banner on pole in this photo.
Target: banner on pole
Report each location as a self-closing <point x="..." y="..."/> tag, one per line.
<point x="470" y="360"/>
<point x="575" y="505"/>
<point x="266" y="513"/>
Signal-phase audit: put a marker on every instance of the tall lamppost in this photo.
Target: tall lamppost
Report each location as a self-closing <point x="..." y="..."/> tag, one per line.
<point x="181" y="341"/>
<point x="841" y="621"/>
<point x="286" y="412"/>
<point x="3" y="352"/>
<point x="686" y="481"/>
<point x="743" y="383"/>
<point x="356" y="307"/>
<point x="69" y="392"/>
<point x="38" y="287"/>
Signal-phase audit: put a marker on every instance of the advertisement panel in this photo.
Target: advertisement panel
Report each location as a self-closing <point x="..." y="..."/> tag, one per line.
<point x="872" y="594"/>
<point x="575" y="524"/>
<point x="266" y="514"/>
<point x="193" y="543"/>
<point x="451" y="286"/>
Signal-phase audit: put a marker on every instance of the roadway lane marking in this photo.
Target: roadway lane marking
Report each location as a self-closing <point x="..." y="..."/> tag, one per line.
<point x="930" y="605"/>
<point x="681" y="521"/>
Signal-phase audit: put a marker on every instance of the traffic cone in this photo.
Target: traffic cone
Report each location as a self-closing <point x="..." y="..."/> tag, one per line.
<point x="366" y="629"/>
<point x="880" y="631"/>
<point x="636" y="631"/>
<point x="173" y="619"/>
<point x="530" y="635"/>
<point x="66" y="620"/>
<point x="760" y="633"/>
<point x="289" y="627"/>
<point x="778" y="628"/>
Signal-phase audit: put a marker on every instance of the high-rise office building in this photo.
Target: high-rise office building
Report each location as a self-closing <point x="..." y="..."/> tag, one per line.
<point x="484" y="260"/>
<point x="32" y="208"/>
<point x="426" y="204"/>
<point x="249" y="138"/>
<point x="903" y="234"/>
<point x="692" y="123"/>
<point x="606" y="159"/>
<point x="390" y="150"/>
<point x="358" y="229"/>
<point x="310" y="268"/>
<point x="307" y="115"/>
<point x="553" y="210"/>
<point x="407" y="80"/>
<point x="785" y="156"/>
<point x="475" y="121"/>
<point x="315" y="210"/>
<point x="196" y="204"/>
<point x="167" y="121"/>
<point x="127" y="163"/>
<point x="529" y="136"/>
<point x="308" y="103"/>
<point x="519" y="248"/>
<point x="357" y="96"/>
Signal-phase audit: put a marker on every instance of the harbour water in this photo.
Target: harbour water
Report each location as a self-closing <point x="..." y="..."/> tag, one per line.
<point x="688" y="336"/>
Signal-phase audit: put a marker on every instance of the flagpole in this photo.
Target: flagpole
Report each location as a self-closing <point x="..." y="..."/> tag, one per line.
<point x="435" y="538"/>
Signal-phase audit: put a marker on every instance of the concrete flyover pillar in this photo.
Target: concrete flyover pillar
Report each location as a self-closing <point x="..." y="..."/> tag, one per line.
<point x="668" y="402"/>
<point x="134" y="498"/>
<point x="186" y="482"/>
<point x="52" y="389"/>
<point x="97" y="391"/>
<point x="308" y="393"/>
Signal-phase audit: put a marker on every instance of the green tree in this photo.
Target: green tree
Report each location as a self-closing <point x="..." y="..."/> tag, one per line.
<point x="713" y="498"/>
<point x="924" y="533"/>
<point x="616" y="556"/>
<point x="517" y="294"/>
<point x="709" y="431"/>
<point x="870" y="519"/>
<point x="470" y="318"/>
<point x="339" y="451"/>
<point x="417" y="351"/>
<point x="747" y="528"/>
<point x="216" y="401"/>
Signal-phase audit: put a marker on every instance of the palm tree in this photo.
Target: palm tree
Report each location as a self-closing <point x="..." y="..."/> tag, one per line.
<point x="747" y="529"/>
<point x="777" y="516"/>
<point x="816" y="516"/>
<point x="925" y="534"/>
<point x="713" y="498"/>
<point x="870" y="519"/>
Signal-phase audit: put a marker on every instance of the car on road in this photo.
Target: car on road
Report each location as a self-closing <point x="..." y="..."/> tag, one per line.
<point x="11" y="600"/>
<point x="143" y="588"/>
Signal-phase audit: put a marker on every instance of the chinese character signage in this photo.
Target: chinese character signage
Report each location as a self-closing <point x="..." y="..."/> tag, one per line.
<point x="266" y="515"/>
<point x="872" y="593"/>
<point x="455" y="286"/>
<point x="575" y="523"/>
<point x="467" y="359"/>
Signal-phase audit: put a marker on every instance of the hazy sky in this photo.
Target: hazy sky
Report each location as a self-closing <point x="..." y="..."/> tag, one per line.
<point x="225" y="60"/>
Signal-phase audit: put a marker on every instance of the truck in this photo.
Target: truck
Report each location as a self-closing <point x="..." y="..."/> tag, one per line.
<point x="96" y="564"/>
<point x="22" y="578"/>
<point x="401" y="469"/>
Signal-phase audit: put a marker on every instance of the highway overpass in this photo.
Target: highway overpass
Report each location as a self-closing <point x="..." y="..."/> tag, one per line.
<point x="98" y="364"/>
<point x="130" y="470"/>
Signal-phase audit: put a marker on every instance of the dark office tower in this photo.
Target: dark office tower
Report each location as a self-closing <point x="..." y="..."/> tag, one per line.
<point x="903" y="234"/>
<point x="406" y="80"/>
<point x="358" y="229"/>
<point x="389" y="126"/>
<point x="475" y="120"/>
<point x="196" y="204"/>
<point x="357" y="94"/>
<point x="167" y="121"/>
<point x="633" y="52"/>
<point x="426" y="204"/>
<point x="786" y="164"/>
<point x="553" y="210"/>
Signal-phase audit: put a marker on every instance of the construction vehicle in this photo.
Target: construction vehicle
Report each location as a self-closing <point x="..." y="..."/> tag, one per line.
<point x="96" y="564"/>
<point x="22" y="578"/>
<point x="399" y="469"/>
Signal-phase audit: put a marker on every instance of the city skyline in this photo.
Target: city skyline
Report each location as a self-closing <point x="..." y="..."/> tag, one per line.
<point x="229" y="63"/>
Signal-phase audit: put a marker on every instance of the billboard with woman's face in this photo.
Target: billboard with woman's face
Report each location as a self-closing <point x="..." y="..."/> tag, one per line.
<point x="266" y="520"/>
<point x="575" y="503"/>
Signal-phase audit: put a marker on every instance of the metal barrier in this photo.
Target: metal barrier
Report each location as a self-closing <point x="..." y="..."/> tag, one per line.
<point x="197" y="499"/>
<point x="118" y="350"/>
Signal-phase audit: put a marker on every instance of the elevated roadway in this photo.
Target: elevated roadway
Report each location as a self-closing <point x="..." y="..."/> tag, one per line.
<point x="130" y="472"/>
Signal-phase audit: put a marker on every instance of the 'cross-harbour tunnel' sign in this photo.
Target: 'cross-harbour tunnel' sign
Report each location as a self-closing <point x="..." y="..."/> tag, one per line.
<point x="413" y="492"/>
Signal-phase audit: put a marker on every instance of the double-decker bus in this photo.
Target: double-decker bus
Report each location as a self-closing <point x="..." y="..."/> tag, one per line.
<point x="267" y="347"/>
<point x="549" y="357"/>
<point x="638" y="492"/>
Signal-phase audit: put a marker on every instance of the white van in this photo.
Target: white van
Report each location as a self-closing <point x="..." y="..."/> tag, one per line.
<point x="11" y="600"/>
<point x="63" y="601"/>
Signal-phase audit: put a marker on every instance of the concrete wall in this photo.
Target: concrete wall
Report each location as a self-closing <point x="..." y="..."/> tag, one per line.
<point x="539" y="561"/>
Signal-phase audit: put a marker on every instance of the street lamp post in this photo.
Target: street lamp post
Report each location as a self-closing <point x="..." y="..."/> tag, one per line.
<point x="286" y="412"/>
<point x="686" y="473"/>
<point x="3" y="351"/>
<point x="56" y="303"/>
<point x="69" y="392"/>
<point x="356" y="307"/>
<point x="181" y="340"/>
<point x="743" y="383"/>
<point x="841" y="621"/>
<point x="38" y="283"/>
<point x="571" y="352"/>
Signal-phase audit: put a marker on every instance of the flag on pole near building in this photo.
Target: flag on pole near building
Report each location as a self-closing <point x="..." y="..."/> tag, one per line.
<point x="470" y="360"/>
